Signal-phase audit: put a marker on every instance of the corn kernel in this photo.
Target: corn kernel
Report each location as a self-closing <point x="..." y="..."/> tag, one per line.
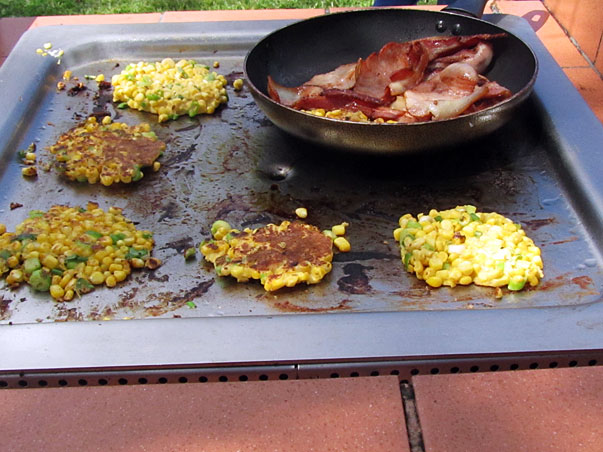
<point x="342" y="244"/>
<point x="301" y="212"/>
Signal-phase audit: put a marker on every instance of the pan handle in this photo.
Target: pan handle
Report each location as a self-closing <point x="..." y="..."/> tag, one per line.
<point x="473" y="8"/>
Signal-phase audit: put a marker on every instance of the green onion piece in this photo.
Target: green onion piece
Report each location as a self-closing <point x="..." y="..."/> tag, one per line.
<point x="40" y="280"/>
<point x="477" y="233"/>
<point x="219" y="270"/>
<point x="446" y="266"/>
<point x="133" y="253"/>
<point x="470" y="209"/>
<point x="474" y="217"/>
<point x="406" y="261"/>
<point x="147" y="235"/>
<point x="191" y="305"/>
<point x="428" y="247"/>
<point x="130" y="77"/>
<point x="95" y="234"/>
<point x="438" y="218"/>
<point x="35" y="214"/>
<point x="190" y="253"/>
<point x="137" y="174"/>
<point x="500" y="265"/>
<point x="31" y="265"/>
<point x="24" y="236"/>
<point x="123" y="105"/>
<point x="147" y="80"/>
<point x="413" y="225"/>
<point x="117" y="237"/>
<point x="219" y="224"/>
<point x="57" y="271"/>
<point x="405" y="234"/>
<point x="5" y="254"/>
<point x="83" y="286"/>
<point x="210" y="77"/>
<point x="516" y="285"/>
<point x="173" y="116"/>
<point x="153" y="96"/>
<point x="74" y="260"/>
<point x="151" y="135"/>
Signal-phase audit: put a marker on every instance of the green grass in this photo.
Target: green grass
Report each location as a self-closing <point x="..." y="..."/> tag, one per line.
<point x="25" y="8"/>
<point x="60" y="7"/>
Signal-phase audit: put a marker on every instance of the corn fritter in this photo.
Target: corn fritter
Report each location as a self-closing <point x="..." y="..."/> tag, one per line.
<point x="109" y="152"/>
<point x="463" y="246"/>
<point x="66" y="251"/>
<point x="278" y="255"/>
<point x="169" y="89"/>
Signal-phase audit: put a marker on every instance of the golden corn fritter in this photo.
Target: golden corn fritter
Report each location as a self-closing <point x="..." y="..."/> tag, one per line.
<point x="278" y="255"/>
<point x="463" y="246"/>
<point x="169" y="89"/>
<point x="69" y="250"/>
<point x="110" y="152"/>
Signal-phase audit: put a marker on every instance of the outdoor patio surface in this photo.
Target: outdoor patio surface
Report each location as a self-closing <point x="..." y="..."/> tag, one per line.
<point x="553" y="409"/>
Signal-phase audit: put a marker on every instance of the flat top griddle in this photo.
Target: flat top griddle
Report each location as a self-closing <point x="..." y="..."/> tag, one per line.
<point x="542" y="169"/>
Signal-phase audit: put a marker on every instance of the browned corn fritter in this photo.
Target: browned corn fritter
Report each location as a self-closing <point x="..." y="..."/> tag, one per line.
<point x="110" y="152"/>
<point x="69" y="250"/>
<point x="278" y="255"/>
<point x="463" y="246"/>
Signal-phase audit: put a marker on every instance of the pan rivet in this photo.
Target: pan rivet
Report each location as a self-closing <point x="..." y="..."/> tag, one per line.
<point x="441" y="26"/>
<point x="456" y="29"/>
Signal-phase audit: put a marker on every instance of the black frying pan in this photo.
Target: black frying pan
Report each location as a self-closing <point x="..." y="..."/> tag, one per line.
<point x="295" y="53"/>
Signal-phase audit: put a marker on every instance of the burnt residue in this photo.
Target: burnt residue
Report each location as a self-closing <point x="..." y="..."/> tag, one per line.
<point x="76" y="89"/>
<point x="169" y="211"/>
<point x="180" y="245"/>
<point x="5" y="311"/>
<point x="287" y="306"/>
<point x="179" y="157"/>
<point x="193" y="126"/>
<point x="169" y="301"/>
<point x="356" y="280"/>
<point x="232" y="76"/>
<point x="65" y="314"/>
<point x="537" y="223"/>
<point x="354" y="256"/>
<point x="585" y="282"/>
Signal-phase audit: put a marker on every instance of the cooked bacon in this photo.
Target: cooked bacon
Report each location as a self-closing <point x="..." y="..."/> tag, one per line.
<point x="343" y="77"/>
<point x="430" y="78"/>
<point x="400" y="65"/>
<point x="479" y="57"/>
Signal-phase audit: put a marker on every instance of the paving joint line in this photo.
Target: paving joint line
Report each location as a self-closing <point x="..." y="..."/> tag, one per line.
<point x="411" y="415"/>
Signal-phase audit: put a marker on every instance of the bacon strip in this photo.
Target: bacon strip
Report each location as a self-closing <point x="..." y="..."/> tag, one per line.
<point x="430" y="78"/>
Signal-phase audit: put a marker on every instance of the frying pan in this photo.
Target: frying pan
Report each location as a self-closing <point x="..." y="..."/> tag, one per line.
<point x="295" y="53"/>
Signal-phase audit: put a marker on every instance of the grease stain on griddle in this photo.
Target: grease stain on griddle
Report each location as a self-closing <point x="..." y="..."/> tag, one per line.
<point x="538" y="223"/>
<point x="179" y="245"/>
<point x="356" y="281"/>
<point x="585" y="282"/>
<point x="287" y="306"/>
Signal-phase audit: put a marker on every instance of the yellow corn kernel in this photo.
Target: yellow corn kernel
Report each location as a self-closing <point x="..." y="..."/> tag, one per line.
<point x="434" y="281"/>
<point x="339" y="229"/>
<point x="137" y="263"/>
<point x="100" y="78"/>
<point x="56" y="291"/>
<point x="120" y="275"/>
<point x="342" y="244"/>
<point x="110" y="281"/>
<point x="30" y="157"/>
<point x="237" y="84"/>
<point x="106" y="120"/>
<point x="301" y="212"/>
<point x="156" y="166"/>
<point x="2" y="228"/>
<point x="97" y="278"/>
<point x="29" y="171"/>
<point x="69" y="295"/>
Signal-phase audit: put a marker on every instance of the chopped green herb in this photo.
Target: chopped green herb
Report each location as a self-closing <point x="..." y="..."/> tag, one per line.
<point x="122" y="105"/>
<point x="35" y="214"/>
<point x="117" y="237"/>
<point x="74" y="260"/>
<point x="95" y="234"/>
<point x="406" y="261"/>
<point x="133" y="253"/>
<point x="83" y="286"/>
<point x="190" y="253"/>
<point x="438" y="218"/>
<point x="516" y="285"/>
<point x="5" y="254"/>
<point x="191" y="305"/>
<point x="32" y="264"/>
<point x="24" y="236"/>
<point x="474" y="217"/>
